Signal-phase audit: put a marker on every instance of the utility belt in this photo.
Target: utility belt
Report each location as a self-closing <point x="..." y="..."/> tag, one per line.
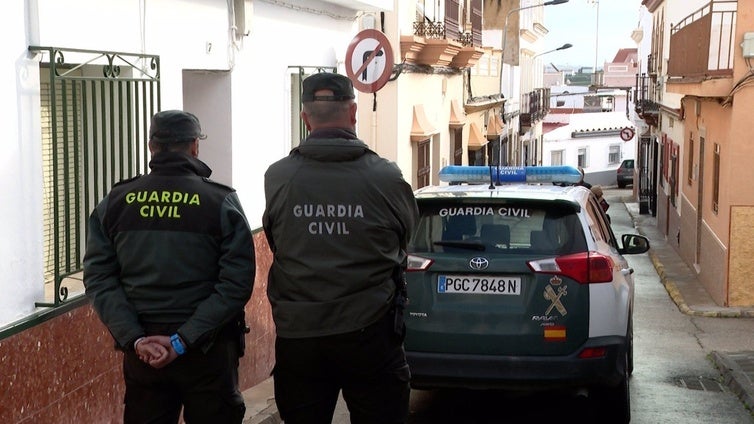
<point x="236" y="329"/>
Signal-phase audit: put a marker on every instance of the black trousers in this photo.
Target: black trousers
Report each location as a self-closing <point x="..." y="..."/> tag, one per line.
<point x="368" y="365"/>
<point x="204" y="384"/>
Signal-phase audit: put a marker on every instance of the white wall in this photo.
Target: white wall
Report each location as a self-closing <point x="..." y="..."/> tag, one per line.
<point x="21" y="172"/>
<point x="598" y="147"/>
<point x="261" y="89"/>
<point x="252" y="123"/>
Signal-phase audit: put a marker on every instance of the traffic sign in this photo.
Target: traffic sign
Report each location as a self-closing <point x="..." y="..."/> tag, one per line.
<point x="369" y="60"/>
<point x="627" y="133"/>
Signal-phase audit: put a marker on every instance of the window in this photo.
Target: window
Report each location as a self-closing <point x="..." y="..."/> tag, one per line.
<point x="95" y="111"/>
<point x="663" y="161"/>
<point x="613" y="156"/>
<point x="547" y="228"/>
<point x="423" y="167"/>
<point x="690" y="163"/>
<point x="477" y="157"/>
<point x="581" y="160"/>
<point x="716" y="179"/>
<point x="673" y="175"/>
<point x="556" y="157"/>
<point x="457" y="136"/>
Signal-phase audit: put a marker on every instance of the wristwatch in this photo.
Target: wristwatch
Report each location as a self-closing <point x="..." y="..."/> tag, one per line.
<point x="175" y="340"/>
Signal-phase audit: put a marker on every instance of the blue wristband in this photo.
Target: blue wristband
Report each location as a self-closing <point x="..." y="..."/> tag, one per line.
<point x="175" y="340"/>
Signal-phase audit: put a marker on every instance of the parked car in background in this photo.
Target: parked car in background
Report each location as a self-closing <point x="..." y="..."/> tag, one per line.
<point x="520" y="286"/>
<point x="625" y="173"/>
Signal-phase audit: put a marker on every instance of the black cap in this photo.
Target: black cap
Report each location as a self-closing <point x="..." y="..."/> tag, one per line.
<point x="173" y="126"/>
<point x="340" y="85"/>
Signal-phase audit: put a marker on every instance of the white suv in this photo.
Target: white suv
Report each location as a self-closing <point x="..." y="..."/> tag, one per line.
<point x="520" y="286"/>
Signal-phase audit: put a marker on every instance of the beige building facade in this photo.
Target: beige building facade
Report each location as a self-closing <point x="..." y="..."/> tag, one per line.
<point x="705" y="205"/>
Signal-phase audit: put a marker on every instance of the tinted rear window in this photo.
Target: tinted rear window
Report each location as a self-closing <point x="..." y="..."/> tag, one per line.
<point x="537" y="228"/>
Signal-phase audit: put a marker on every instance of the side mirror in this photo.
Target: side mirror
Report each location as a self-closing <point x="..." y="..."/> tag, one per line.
<point x="634" y="244"/>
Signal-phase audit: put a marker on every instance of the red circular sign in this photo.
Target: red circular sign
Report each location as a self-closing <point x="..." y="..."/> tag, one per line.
<point x="369" y="61"/>
<point x="627" y="133"/>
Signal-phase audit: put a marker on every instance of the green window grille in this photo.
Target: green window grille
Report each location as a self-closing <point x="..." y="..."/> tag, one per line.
<point x="95" y="112"/>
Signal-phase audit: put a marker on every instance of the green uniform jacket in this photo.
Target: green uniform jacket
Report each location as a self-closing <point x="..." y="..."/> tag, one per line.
<point x="171" y="247"/>
<point x="337" y="219"/>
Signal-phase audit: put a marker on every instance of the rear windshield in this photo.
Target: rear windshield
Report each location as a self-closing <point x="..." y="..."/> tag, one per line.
<point x="525" y="228"/>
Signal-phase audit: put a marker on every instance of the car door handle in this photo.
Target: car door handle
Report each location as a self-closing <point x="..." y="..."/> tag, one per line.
<point x="627" y="271"/>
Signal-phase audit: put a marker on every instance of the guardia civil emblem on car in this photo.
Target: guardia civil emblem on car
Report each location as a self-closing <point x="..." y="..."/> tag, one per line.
<point x="479" y="263"/>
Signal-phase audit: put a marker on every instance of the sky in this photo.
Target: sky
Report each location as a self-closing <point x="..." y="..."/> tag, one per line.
<point x="576" y="23"/>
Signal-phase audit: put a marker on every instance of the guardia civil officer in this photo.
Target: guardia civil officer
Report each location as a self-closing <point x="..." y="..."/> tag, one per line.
<point x="169" y="266"/>
<point x="337" y="219"/>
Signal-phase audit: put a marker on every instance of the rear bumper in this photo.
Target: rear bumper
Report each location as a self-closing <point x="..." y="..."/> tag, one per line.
<point x="625" y="178"/>
<point x="436" y="370"/>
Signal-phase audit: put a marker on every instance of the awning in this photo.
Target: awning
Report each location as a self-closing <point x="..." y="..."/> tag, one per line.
<point x="495" y="126"/>
<point x="457" y="116"/>
<point x="421" y="129"/>
<point x="476" y="139"/>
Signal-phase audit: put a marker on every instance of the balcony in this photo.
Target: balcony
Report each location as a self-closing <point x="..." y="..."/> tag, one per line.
<point x="702" y="44"/>
<point x="653" y="66"/>
<point x="645" y="106"/>
<point x="535" y="105"/>
<point x="430" y="45"/>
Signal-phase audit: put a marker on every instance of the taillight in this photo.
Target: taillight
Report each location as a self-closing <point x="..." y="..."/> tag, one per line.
<point x="584" y="268"/>
<point x="417" y="263"/>
<point x="593" y="352"/>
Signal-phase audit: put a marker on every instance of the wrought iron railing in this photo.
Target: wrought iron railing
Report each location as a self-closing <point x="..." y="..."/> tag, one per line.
<point x="96" y="108"/>
<point x="535" y="105"/>
<point x="430" y="29"/>
<point x="645" y="106"/>
<point x="466" y="39"/>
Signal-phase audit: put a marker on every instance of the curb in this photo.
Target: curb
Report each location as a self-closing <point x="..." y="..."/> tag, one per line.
<point x="735" y="377"/>
<point x="676" y="295"/>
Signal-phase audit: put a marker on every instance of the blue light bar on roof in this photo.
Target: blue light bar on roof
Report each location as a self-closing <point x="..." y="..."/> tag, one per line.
<point x="509" y="174"/>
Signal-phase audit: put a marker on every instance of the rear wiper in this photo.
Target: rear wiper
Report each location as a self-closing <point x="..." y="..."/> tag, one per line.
<point x="470" y="245"/>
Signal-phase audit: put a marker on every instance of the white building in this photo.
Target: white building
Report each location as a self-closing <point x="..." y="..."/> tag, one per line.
<point x="81" y="79"/>
<point x="594" y="141"/>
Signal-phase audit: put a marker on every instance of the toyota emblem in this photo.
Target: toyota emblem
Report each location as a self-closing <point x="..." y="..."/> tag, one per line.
<point x="479" y="263"/>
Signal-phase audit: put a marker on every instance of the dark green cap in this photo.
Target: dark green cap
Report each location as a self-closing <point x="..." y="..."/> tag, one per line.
<point x="174" y="126"/>
<point x="340" y="85"/>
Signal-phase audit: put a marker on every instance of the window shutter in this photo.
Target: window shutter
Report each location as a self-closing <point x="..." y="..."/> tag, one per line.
<point x="452" y="31"/>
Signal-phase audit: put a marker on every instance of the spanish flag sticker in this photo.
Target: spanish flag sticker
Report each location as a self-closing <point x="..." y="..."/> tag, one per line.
<point x="555" y="333"/>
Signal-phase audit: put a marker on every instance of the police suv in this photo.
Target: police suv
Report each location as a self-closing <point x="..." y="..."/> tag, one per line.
<point x="516" y="281"/>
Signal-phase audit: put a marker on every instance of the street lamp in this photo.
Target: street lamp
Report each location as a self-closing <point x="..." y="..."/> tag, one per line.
<point x="563" y="47"/>
<point x="502" y="57"/>
<point x="596" y="40"/>
<point x="505" y="31"/>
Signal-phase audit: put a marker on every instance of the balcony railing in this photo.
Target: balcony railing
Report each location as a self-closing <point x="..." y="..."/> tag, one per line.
<point x="646" y="107"/>
<point x="652" y="65"/>
<point x="466" y="38"/>
<point x="429" y="29"/>
<point x="535" y="105"/>
<point x="702" y="44"/>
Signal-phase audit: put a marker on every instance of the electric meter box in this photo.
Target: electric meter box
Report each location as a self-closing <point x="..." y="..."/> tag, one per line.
<point x="748" y="45"/>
